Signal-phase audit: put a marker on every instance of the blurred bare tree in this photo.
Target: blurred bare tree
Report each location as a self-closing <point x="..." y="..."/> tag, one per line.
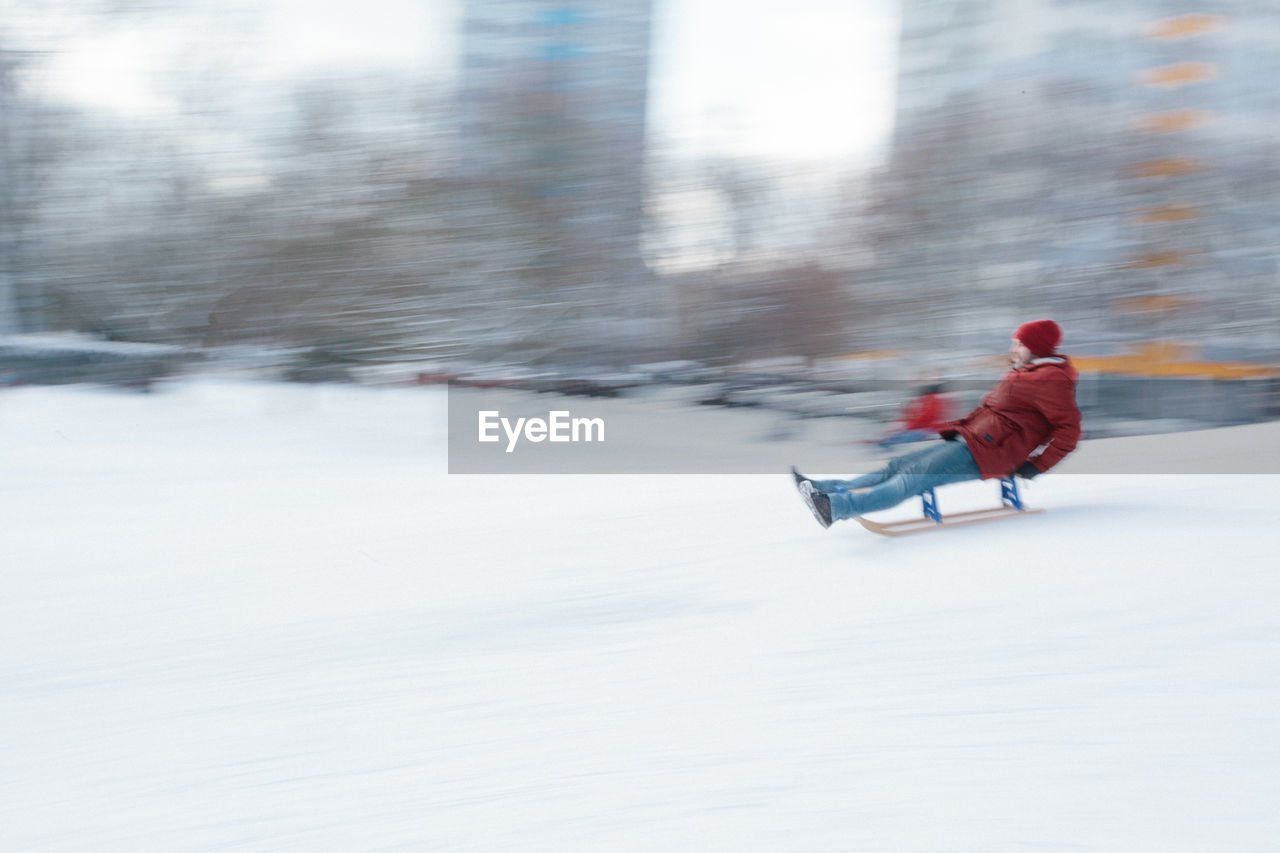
<point x="338" y="215"/>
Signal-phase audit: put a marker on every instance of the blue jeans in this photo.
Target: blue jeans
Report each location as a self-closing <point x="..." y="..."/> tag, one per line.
<point x="905" y="476"/>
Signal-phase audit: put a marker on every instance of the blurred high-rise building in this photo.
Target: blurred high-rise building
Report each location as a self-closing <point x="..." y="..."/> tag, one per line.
<point x="552" y="107"/>
<point x="1112" y="163"/>
<point x="23" y="167"/>
<point x="9" y="321"/>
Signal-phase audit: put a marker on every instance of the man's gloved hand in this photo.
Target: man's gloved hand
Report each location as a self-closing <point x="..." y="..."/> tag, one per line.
<point x="949" y="435"/>
<point x="1028" y="471"/>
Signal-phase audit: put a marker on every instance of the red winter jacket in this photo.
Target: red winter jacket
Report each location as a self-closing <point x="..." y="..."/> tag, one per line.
<point x="1032" y="407"/>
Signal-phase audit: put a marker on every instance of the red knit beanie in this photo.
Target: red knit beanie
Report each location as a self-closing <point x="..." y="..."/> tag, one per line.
<point x="1040" y="336"/>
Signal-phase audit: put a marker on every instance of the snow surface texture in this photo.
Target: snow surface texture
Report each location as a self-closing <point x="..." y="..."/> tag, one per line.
<point x="256" y="617"/>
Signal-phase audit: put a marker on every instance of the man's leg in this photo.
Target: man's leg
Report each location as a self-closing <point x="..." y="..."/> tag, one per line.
<point x="949" y="463"/>
<point x="894" y="466"/>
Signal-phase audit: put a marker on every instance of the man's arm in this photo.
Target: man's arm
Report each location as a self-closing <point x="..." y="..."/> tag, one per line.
<point x="1058" y="405"/>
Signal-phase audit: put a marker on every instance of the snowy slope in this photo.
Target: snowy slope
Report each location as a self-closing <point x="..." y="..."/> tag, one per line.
<point x="255" y="617"/>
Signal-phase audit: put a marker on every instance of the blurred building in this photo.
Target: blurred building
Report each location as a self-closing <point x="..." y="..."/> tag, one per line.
<point x="9" y="176"/>
<point x="553" y="102"/>
<point x="1113" y="164"/>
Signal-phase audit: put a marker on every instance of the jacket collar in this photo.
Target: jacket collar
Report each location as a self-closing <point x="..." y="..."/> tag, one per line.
<point x="1043" y="361"/>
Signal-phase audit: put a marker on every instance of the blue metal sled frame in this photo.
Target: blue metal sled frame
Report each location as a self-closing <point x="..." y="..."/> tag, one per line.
<point x="1011" y="506"/>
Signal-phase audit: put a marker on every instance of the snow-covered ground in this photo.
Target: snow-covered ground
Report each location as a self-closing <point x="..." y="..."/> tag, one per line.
<point x="259" y="617"/>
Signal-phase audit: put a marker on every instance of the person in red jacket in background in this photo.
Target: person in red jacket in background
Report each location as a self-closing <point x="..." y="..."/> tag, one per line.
<point x="1027" y="424"/>
<point x="920" y="420"/>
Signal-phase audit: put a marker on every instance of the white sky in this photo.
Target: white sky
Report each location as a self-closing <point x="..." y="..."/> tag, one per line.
<point x="801" y="80"/>
<point x="810" y="79"/>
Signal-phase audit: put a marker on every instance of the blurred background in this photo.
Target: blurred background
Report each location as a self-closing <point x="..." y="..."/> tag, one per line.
<point x="595" y="195"/>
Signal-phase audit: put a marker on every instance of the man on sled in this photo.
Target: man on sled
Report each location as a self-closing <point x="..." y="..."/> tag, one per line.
<point x="1027" y="424"/>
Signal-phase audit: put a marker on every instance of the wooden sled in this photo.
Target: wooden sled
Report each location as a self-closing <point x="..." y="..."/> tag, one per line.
<point x="1011" y="507"/>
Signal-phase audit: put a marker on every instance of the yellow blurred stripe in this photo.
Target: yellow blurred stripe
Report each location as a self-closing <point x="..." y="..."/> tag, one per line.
<point x="1184" y="26"/>
<point x="1171" y="358"/>
<point x="1161" y="303"/>
<point x="1164" y="258"/>
<point x="1167" y="213"/>
<point x="1167" y="166"/>
<point x="1174" y="121"/>
<point x="1178" y="74"/>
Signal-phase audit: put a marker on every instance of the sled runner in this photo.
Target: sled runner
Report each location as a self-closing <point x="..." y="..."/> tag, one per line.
<point x="1011" y="506"/>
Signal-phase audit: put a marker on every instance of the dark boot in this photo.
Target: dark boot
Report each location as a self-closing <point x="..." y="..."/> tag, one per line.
<point x="818" y="503"/>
